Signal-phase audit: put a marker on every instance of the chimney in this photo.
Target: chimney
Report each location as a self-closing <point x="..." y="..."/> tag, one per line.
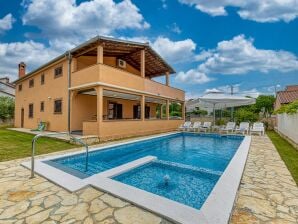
<point x="22" y="69"/>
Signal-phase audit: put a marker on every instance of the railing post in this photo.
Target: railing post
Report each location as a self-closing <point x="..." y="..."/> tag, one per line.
<point x="32" y="158"/>
<point x="33" y="145"/>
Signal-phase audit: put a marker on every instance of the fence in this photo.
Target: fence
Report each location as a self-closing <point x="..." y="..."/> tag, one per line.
<point x="287" y="126"/>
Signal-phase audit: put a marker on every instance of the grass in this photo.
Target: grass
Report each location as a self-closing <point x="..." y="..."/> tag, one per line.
<point x="287" y="152"/>
<point x="15" y="145"/>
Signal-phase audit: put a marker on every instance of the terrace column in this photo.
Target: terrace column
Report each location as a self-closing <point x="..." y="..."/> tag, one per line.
<point x="99" y="111"/>
<point x="168" y="110"/>
<point x="167" y="78"/>
<point x="143" y="63"/>
<point x="143" y="108"/>
<point x="99" y="54"/>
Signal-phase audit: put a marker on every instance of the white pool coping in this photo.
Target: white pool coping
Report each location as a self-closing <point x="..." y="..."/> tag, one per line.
<point x="216" y="209"/>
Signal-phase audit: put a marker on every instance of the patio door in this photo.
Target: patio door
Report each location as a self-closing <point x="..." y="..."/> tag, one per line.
<point x="22" y="117"/>
<point x="137" y="112"/>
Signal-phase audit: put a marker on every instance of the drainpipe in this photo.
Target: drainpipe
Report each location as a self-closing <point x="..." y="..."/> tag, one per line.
<point x="69" y="58"/>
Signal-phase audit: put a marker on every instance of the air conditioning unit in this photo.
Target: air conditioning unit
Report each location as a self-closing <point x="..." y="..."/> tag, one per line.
<point x="121" y="63"/>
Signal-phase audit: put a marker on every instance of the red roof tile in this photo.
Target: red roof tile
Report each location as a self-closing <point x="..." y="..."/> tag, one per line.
<point x="287" y="96"/>
<point x="292" y="88"/>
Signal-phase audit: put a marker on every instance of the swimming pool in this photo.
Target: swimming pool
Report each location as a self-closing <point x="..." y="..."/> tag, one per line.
<point x="193" y="163"/>
<point x="184" y="177"/>
<point x="205" y="151"/>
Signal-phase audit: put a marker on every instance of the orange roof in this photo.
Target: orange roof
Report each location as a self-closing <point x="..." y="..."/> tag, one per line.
<point x="287" y="96"/>
<point x="292" y="88"/>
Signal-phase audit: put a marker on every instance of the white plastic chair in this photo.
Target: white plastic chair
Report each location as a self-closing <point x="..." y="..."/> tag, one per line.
<point x="258" y="127"/>
<point x="184" y="126"/>
<point x="230" y="126"/>
<point x="243" y="127"/>
<point x="206" y="126"/>
<point x="195" y="126"/>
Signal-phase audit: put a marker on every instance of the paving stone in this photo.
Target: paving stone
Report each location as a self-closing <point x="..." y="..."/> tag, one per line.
<point x="104" y="214"/>
<point x="63" y="210"/>
<point x="97" y="205"/>
<point x="20" y="195"/>
<point x="132" y="215"/>
<point x="4" y="203"/>
<point x="89" y="194"/>
<point x="30" y="211"/>
<point x="38" y="217"/>
<point x="112" y="201"/>
<point x="51" y="200"/>
<point x="70" y="199"/>
<point x="88" y="220"/>
<point x="107" y="221"/>
<point x="79" y="212"/>
<point x="14" y="210"/>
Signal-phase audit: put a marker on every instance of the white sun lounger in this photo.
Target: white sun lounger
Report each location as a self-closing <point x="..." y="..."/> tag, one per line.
<point x="243" y="128"/>
<point x="257" y="127"/>
<point x="230" y="126"/>
<point x="185" y="126"/>
<point x="206" y="126"/>
<point x="195" y="126"/>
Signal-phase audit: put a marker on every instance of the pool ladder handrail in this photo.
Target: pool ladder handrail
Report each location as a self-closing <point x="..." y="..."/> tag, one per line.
<point x="71" y="137"/>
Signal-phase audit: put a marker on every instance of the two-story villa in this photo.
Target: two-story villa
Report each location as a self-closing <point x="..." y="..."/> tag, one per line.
<point x="103" y="87"/>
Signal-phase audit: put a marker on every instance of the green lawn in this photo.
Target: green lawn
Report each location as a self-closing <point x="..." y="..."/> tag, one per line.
<point x="14" y="145"/>
<point x="287" y="152"/>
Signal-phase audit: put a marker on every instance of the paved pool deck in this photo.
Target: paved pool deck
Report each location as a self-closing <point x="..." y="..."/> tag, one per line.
<point x="267" y="194"/>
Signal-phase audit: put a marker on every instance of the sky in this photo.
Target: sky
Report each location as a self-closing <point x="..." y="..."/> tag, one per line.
<point x="249" y="44"/>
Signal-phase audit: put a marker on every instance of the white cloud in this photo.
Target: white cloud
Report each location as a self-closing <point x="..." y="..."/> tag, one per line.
<point x="175" y="51"/>
<point x="65" y="19"/>
<point x="256" y="10"/>
<point x="6" y="23"/>
<point x="240" y="56"/>
<point x="175" y="28"/>
<point x="164" y="4"/>
<point x="192" y="76"/>
<point x="32" y="53"/>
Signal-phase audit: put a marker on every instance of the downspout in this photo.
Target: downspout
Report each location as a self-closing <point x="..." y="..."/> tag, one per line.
<point x="69" y="58"/>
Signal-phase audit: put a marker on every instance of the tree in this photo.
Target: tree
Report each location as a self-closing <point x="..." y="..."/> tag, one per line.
<point x="242" y="114"/>
<point x="6" y="107"/>
<point x="264" y="103"/>
<point x="198" y="111"/>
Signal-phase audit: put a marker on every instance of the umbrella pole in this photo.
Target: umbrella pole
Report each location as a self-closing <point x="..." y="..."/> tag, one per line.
<point x="213" y="114"/>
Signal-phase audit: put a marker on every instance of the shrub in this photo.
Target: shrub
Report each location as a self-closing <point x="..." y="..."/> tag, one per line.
<point x="6" y="107"/>
<point x="291" y="108"/>
<point x="244" y="115"/>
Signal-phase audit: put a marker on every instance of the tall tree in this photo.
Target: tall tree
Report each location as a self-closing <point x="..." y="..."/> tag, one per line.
<point x="264" y="103"/>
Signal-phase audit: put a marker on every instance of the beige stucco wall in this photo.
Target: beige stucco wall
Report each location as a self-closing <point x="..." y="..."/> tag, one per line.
<point x="121" y="129"/>
<point x="83" y="109"/>
<point x="54" y="88"/>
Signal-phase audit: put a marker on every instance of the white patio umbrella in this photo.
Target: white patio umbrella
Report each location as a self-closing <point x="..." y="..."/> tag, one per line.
<point x="216" y="101"/>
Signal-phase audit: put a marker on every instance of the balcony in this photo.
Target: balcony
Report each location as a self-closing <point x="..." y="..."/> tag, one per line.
<point x="101" y="74"/>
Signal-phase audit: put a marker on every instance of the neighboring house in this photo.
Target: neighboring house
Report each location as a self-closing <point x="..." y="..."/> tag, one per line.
<point x="6" y="88"/>
<point x="287" y="96"/>
<point x="111" y="91"/>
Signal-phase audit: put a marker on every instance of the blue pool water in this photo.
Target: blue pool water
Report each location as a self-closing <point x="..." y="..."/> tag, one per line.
<point x="192" y="162"/>
<point x="185" y="185"/>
